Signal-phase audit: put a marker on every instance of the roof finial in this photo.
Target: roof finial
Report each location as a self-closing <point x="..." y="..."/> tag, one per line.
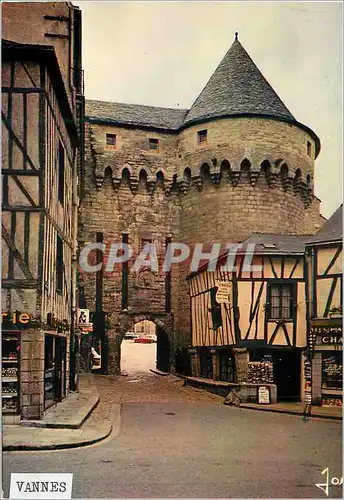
<point x="236" y="36"/>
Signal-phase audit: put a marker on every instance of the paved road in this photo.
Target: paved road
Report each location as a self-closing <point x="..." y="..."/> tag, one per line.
<point x="177" y="441"/>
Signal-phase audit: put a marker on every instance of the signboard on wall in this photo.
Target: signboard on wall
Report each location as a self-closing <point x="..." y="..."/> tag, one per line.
<point x="263" y="395"/>
<point x="224" y="289"/>
<point x="82" y="317"/>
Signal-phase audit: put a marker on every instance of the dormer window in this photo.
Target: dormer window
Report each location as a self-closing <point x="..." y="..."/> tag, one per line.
<point x="202" y="136"/>
<point x="111" y="141"/>
<point x="154" y="145"/>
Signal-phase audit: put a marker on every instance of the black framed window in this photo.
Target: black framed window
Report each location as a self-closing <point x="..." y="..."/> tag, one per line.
<point x="281" y="301"/>
<point x="154" y="144"/>
<point x="59" y="264"/>
<point x="215" y="310"/>
<point x="332" y="370"/>
<point x="202" y="136"/>
<point x="226" y="366"/>
<point x="61" y="170"/>
<point x="111" y="140"/>
<point x="206" y="362"/>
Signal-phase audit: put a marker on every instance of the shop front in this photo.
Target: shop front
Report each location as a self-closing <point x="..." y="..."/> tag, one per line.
<point x="327" y="362"/>
<point x="34" y="372"/>
<point x="10" y="373"/>
<point x="279" y="366"/>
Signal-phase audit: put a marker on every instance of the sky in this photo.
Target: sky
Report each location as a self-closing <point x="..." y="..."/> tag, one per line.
<point x="163" y="54"/>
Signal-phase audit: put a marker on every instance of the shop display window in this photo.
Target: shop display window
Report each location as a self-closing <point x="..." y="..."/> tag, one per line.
<point x="226" y="367"/>
<point x="10" y="373"/>
<point x="206" y="361"/>
<point x="332" y="366"/>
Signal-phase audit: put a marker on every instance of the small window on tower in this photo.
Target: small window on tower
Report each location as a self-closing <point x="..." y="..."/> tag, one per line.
<point x="202" y="136"/>
<point x="154" y="144"/>
<point x="111" y="141"/>
<point x="309" y="148"/>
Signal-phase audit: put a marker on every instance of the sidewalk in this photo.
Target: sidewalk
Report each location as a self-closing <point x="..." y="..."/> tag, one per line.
<point x="222" y="389"/>
<point x="332" y="413"/>
<point x="74" y="422"/>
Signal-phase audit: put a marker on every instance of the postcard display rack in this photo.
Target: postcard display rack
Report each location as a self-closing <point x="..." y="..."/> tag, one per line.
<point x="10" y="373"/>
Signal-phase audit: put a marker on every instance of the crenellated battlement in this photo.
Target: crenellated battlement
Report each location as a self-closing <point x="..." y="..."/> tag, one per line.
<point x="275" y="175"/>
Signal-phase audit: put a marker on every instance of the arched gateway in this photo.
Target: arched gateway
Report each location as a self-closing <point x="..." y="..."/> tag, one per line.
<point x="165" y="359"/>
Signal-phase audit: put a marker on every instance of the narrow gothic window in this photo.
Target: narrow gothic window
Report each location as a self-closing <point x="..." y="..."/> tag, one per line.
<point x="59" y="264"/>
<point x="309" y="148"/>
<point x="61" y="170"/>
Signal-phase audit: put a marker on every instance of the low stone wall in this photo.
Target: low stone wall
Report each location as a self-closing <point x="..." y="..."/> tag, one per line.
<point x="248" y="393"/>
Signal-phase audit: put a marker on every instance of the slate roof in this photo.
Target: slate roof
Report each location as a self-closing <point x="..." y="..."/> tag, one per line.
<point x="332" y="230"/>
<point x="237" y="87"/>
<point x="276" y="244"/>
<point x="135" y="114"/>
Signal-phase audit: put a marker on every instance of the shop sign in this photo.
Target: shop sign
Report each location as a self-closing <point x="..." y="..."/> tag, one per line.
<point x="224" y="289"/>
<point x="328" y="335"/>
<point x="86" y="328"/>
<point x="263" y="395"/>
<point x="331" y="339"/>
<point x="308" y="398"/>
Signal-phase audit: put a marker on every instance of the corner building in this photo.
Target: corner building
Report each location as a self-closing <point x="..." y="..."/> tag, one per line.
<point x="236" y="162"/>
<point x="42" y="109"/>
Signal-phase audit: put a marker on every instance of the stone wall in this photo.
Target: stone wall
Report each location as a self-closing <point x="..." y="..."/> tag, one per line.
<point x="251" y="175"/>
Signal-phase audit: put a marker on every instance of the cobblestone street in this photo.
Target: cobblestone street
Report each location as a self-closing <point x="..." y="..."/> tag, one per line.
<point x="177" y="441"/>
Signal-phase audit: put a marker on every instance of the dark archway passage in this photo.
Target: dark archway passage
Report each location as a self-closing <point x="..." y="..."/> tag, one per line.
<point x="163" y="354"/>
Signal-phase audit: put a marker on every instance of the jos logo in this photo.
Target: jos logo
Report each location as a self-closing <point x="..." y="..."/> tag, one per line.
<point x="334" y="481"/>
<point x="39" y="486"/>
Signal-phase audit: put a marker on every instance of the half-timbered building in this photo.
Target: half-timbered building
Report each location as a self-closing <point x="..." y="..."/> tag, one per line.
<point x="253" y="331"/>
<point x="325" y="290"/>
<point x="42" y="102"/>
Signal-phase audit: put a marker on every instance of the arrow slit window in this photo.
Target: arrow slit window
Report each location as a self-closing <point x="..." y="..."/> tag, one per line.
<point x="215" y="310"/>
<point x="281" y="301"/>
<point x="61" y="183"/>
<point x="59" y="264"/>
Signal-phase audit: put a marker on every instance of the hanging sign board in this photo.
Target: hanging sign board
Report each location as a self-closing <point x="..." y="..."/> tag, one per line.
<point x="224" y="289"/>
<point x="263" y="395"/>
<point x="308" y="398"/>
<point x="83" y="317"/>
<point x="86" y="328"/>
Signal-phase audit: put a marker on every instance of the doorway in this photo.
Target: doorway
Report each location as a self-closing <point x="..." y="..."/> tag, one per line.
<point x="286" y="370"/>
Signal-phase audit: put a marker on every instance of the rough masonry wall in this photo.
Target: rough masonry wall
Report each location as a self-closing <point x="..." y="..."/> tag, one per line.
<point x="118" y="200"/>
<point x="251" y="175"/>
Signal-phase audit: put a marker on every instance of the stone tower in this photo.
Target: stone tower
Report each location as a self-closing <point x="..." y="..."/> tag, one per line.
<point x="236" y="162"/>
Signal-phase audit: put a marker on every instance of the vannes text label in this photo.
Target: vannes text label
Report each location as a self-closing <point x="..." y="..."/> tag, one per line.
<point x="37" y="486"/>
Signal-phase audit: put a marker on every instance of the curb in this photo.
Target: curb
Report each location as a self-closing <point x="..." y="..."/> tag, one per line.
<point x="159" y="372"/>
<point x="58" y="446"/>
<point x="291" y="412"/>
<point x="47" y="425"/>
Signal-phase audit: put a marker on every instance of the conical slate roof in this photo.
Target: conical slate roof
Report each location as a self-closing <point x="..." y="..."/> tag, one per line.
<point x="237" y="87"/>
